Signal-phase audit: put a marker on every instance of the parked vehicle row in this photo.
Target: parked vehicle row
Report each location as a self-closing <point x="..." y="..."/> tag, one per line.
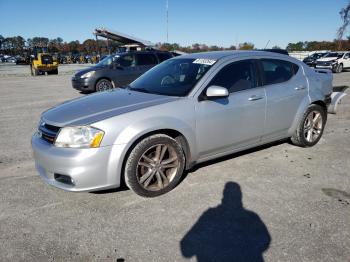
<point x="311" y="60"/>
<point x="117" y="70"/>
<point x="186" y="110"/>
<point x="335" y="61"/>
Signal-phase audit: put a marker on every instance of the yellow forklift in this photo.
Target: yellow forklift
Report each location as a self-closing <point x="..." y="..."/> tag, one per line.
<point x="41" y="61"/>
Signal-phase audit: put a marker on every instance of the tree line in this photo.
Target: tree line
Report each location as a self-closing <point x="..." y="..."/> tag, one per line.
<point x="17" y="45"/>
<point x="336" y="45"/>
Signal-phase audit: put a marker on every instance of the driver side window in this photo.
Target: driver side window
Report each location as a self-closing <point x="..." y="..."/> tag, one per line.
<point x="347" y="56"/>
<point x="237" y="76"/>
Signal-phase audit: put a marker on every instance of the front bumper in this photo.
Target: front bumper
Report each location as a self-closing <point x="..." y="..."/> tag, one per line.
<point x="89" y="169"/>
<point x="83" y="84"/>
<point x="330" y="67"/>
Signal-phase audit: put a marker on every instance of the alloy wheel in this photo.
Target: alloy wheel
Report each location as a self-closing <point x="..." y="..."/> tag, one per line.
<point x="340" y="68"/>
<point x="157" y="167"/>
<point x="104" y="85"/>
<point x="313" y="126"/>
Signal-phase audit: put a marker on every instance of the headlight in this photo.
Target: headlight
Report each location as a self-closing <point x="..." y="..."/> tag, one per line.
<point x="87" y="75"/>
<point x="79" y="137"/>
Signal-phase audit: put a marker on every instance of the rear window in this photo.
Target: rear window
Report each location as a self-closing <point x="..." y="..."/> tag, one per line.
<point x="277" y="71"/>
<point x="163" y="56"/>
<point x="146" y="59"/>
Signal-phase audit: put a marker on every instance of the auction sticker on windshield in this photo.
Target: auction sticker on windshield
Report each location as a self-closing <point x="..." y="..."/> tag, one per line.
<point x="204" y="61"/>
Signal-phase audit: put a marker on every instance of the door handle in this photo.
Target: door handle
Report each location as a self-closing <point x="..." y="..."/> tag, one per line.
<point x="254" y="98"/>
<point x="300" y="88"/>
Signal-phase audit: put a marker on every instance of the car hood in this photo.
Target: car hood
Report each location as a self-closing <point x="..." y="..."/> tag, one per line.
<point x="327" y="59"/>
<point x="83" y="71"/>
<point x="307" y="59"/>
<point x="99" y="106"/>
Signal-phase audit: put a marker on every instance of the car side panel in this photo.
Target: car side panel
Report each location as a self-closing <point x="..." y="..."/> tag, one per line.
<point x="229" y="123"/>
<point x="283" y="102"/>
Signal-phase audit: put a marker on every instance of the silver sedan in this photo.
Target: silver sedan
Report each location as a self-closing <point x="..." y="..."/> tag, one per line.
<point x="186" y="110"/>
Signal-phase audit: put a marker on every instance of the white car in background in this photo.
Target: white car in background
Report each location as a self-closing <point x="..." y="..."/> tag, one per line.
<point x="335" y="61"/>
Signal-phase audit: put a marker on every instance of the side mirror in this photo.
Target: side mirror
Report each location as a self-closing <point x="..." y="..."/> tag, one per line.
<point x="216" y="92"/>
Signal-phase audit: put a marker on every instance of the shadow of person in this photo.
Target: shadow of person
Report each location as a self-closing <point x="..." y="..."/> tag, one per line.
<point x="227" y="232"/>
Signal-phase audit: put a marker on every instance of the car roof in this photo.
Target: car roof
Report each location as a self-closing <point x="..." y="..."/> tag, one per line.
<point x="217" y="55"/>
<point x="141" y="52"/>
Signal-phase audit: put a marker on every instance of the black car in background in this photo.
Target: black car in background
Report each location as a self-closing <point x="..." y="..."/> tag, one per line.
<point x="117" y="70"/>
<point x="312" y="59"/>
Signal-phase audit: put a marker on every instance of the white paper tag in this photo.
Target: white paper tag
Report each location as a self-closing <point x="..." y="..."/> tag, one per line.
<point x="204" y="61"/>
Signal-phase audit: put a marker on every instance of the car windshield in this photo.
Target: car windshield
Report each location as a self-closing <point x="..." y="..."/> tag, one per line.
<point x="318" y="55"/>
<point x="338" y="55"/>
<point x="108" y="60"/>
<point x="174" y="77"/>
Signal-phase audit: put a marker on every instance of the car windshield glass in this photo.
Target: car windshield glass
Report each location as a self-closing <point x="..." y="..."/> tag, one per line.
<point x="338" y="55"/>
<point x="317" y="55"/>
<point x="106" y="61"/>
<point x="174" y="77"/>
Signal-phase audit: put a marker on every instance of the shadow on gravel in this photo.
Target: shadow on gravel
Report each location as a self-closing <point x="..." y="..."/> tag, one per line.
<point x="112" y="190"/>
<point x="123" y="187"/>
<point x="228" y="232"/>
<point x="234" y="155"/>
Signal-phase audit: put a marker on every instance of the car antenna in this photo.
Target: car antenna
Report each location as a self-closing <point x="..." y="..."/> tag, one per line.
<point x="267" y="44"/>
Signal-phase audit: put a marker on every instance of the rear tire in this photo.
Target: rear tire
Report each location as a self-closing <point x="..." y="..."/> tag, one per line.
<point x="311" y="126"/>
<point x="154" y="166"/>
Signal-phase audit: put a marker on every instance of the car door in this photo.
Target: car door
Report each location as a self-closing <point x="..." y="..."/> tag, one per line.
<point x="226" y="124"/>
<point x="124" y="70"/>
<point x="346" y="60"/>
<point x="286" y="88"/>
<point x="145" y="61"/>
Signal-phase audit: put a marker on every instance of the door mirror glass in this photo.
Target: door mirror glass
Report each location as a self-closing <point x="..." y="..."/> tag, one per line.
<point x="217" y="91"/>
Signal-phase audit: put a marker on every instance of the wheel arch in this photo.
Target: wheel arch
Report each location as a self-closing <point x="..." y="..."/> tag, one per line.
<point x="320" y="103"/>
<point x="175" y="134"/>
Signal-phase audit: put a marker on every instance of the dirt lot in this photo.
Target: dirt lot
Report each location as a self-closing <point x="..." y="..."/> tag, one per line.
<point x="296" y="202"/>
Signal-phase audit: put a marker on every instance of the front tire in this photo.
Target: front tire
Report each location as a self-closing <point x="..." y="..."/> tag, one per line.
<point x="103" y="85"/>
<point x="338" y="69"/>
<point x="154" y="166"/>
<point x="311" y="127"/>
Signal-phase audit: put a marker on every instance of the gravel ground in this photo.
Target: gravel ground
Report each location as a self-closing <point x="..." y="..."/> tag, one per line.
<point x="279" y="202"/>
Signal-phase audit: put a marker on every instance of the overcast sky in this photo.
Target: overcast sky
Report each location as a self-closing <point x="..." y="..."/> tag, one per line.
<point x="219" y="22"/>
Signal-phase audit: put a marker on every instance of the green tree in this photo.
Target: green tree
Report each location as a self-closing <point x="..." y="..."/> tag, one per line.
<point x="299" y="46"/>
<point x="246" y="46"/>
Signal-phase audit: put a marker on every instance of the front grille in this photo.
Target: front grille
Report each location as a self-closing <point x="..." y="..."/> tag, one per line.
<point x="324" y="63"/>
<point x="48" y="132"/>
<point x="46" y="59"/>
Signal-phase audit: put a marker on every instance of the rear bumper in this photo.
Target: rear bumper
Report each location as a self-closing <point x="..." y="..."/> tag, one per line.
<point x="87" y="169"/>
<point x="336" y="98"/>
<point x="83" y="84"/>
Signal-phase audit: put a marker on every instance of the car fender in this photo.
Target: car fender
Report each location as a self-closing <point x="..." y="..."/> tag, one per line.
<point x="298" y="116"/>
<point x="132" y="133"/>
